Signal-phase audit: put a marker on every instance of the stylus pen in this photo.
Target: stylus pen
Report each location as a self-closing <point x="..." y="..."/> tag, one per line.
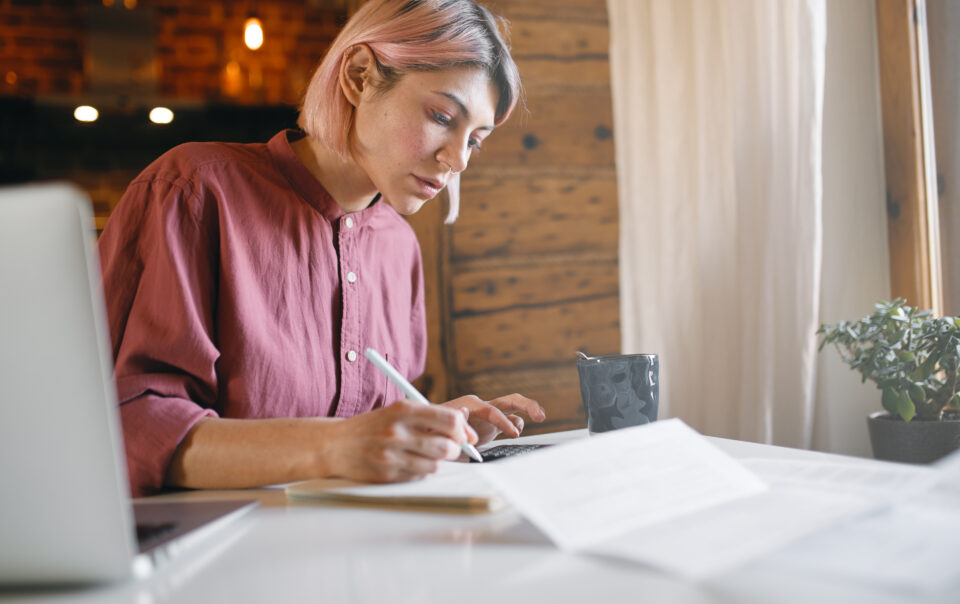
<point x="410" y="392"/>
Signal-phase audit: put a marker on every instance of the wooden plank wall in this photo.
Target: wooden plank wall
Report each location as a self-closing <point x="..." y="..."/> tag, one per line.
<point x="528" y="273"/>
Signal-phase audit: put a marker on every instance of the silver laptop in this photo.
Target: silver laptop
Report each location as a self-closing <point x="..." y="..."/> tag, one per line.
<point x="65" y="509"/>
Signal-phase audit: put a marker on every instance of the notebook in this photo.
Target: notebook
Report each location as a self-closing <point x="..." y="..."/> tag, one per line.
<point x="455" y="487"/>
<point x="65" y="511"/>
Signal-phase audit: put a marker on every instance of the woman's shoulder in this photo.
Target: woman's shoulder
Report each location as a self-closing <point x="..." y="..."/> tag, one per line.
<point x="190" y="161"/>
<point x="189" y="179"/>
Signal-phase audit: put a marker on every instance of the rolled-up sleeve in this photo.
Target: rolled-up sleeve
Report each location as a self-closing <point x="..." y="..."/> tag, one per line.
<point x="159" y="268"/>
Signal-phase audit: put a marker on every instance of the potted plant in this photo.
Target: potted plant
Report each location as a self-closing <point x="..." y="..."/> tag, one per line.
<point x="914" y="359"/>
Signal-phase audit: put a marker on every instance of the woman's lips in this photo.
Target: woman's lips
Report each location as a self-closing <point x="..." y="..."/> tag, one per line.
<point x="428" y="187"/>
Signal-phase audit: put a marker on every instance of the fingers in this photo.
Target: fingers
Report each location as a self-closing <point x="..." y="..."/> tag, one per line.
<point x="492" y="418"/>
<point x="393" y="465"/>
<point x="492" y="415"/>
<point x="404" y="441"/>
<point x="517" y="403"/>
<point x="432" y="446"/>
<point x="451" y="423"/>
<point x="503" y="411"/>
<point x="472" y="436"/>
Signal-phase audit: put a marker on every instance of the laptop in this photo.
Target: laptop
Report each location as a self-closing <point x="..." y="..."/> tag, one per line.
<point x="65" y="510"/>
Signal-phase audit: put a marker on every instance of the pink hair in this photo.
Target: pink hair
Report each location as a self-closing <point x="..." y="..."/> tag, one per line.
<point x="411" y="35"/>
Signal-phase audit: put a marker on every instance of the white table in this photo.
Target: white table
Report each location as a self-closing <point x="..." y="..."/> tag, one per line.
<point x="307" y="553"/>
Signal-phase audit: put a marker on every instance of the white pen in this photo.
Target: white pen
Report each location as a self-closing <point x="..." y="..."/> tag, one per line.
<point x="410" y="392"/>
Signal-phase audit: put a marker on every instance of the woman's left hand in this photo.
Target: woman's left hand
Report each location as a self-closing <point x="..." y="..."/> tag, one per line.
<point x="490" y="418"/>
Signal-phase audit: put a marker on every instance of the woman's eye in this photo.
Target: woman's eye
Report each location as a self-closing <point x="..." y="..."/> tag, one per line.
<point x="475" y="144"/>
<point x="441" y="119"/>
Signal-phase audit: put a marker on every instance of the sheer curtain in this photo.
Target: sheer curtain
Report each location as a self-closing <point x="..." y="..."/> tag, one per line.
<point x="718" y="108"/>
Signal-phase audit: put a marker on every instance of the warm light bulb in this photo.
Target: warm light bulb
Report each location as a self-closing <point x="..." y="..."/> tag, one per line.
<point x="86" y="113"/>
<point x="253" y="33"/>
<point x="161" y="115"/>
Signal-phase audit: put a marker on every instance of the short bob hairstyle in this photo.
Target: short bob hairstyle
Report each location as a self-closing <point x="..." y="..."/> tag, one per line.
<point x="411" y="35"/>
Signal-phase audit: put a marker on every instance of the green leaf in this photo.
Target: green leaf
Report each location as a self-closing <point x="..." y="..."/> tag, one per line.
<point x="890" y="400"/>
<point x="917" y="395"/>
<point x="897" y="402"/>
<point x="954" y="402"/>
<point x="905" y="407"/>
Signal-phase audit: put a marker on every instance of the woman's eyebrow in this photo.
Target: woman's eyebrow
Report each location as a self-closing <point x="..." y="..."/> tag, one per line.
<point x="463" y="108"/>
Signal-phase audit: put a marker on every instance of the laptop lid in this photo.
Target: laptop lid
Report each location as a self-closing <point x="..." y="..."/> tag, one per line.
<point x="65" y="513"/>
<point x="64" y="493"/>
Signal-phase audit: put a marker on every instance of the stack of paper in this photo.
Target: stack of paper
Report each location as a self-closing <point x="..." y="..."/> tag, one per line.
<point x="664" y="496"/>
<point x="910" y="541"/>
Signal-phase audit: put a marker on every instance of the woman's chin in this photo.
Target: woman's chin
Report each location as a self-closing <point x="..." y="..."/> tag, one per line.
<point x="406" y="206"/>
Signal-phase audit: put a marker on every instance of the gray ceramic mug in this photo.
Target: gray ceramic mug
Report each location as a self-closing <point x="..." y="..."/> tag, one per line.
<point x="619" y="390"/>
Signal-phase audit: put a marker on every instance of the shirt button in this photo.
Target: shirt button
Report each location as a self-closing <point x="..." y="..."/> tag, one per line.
<point x="349" y="222"/>
<point x="352" y="277"/>
<point x="352" y="356"/>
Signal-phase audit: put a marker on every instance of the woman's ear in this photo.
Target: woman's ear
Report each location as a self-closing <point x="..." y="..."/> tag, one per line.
<point x="358" y="72"/>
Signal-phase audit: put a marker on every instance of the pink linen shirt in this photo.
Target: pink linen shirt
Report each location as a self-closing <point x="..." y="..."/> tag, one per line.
<point x="237" y="287"/>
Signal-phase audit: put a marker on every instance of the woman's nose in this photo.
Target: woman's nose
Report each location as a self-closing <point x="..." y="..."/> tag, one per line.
<point x="455" y="156"/>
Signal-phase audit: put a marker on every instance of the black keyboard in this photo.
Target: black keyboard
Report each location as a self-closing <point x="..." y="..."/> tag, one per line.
<point x="503" y="451"/>
<point x="150" y="532"/>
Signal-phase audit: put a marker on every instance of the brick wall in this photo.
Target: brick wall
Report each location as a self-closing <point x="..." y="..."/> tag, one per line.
<point x="199" y="56"/>
<point x="41" y="47"/>
<point x="199" y="48"/>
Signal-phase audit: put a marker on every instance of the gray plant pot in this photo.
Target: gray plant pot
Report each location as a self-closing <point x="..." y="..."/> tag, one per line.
<point x="912" y="442"/>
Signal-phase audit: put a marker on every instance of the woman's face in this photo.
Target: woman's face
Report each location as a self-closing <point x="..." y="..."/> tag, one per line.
<point x="410" y="139"/>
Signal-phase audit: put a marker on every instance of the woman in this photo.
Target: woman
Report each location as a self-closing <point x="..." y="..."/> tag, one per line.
<point x="243" y="282"/>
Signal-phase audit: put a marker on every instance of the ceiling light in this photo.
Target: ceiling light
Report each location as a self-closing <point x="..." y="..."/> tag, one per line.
<point x="253" y="33"/>
<point x="161" y="115"/>
<point x="86" y="113"/>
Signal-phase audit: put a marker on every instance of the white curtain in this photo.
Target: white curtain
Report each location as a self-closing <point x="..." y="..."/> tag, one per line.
<point x="718" y="108"/>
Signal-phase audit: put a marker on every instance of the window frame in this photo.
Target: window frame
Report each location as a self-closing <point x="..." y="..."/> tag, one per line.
<point x="909" y="161"/>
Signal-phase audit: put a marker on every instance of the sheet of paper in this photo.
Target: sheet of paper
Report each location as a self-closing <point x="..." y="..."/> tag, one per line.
<point x="716" y="540"/>
<point x="589" y="491"/>
<point x="453" y="479"/>
<point x="911" y="546"/>
<point x="864" y="477"/>
<point x="909" y="540"/>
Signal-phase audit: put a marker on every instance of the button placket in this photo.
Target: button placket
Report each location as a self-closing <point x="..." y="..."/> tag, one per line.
<point x="351" y="370"/>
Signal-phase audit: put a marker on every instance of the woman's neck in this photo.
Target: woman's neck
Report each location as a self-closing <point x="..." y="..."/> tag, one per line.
<point x="346" y="181"/>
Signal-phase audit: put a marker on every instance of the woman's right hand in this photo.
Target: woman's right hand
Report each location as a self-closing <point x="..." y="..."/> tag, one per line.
<point x="402" y="441"/>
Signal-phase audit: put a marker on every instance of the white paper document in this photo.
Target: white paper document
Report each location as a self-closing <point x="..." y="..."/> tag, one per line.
<point x="452" y="479"/>
<point x="909" y="541"/>
<point x="718" y="539"/>
<point x="866" y="478"/>
<point x="588" y="492"/>
<point x="662" y="495"/>
<point x="911" y="547"/>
